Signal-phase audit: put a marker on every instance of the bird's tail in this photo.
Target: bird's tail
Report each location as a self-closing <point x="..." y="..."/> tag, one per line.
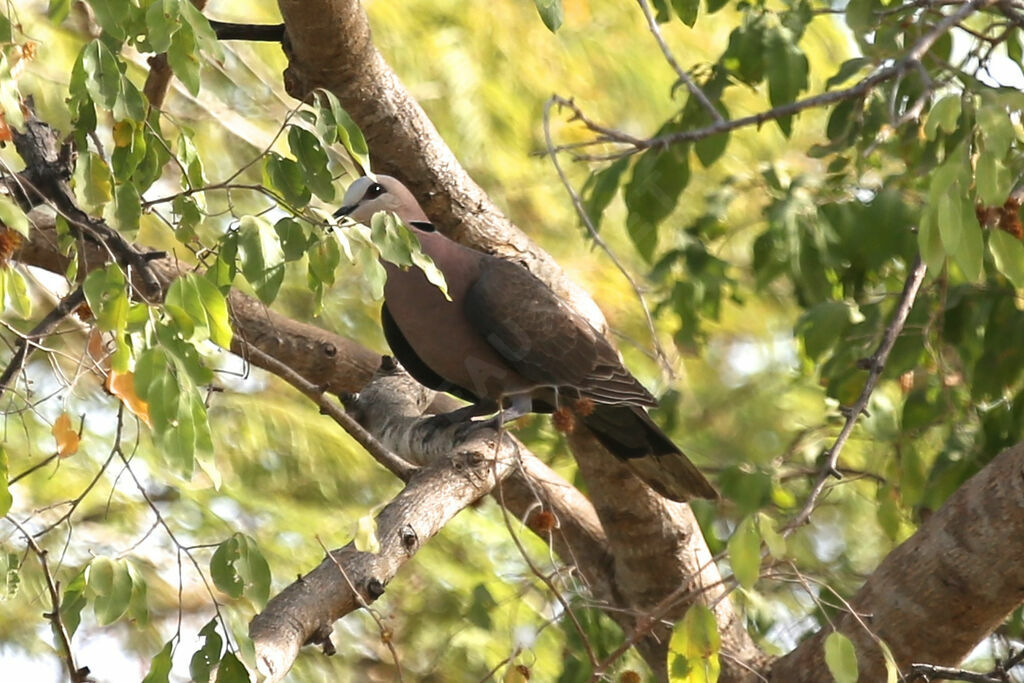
<point x="630" y="434"/>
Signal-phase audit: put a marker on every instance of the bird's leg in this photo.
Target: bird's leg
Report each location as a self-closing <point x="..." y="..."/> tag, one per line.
<point x="522" y="404"/>
<point x="519" y="405"/>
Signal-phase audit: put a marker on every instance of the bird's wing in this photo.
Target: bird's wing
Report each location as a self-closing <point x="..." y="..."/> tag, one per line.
<point x="544" y="340"/>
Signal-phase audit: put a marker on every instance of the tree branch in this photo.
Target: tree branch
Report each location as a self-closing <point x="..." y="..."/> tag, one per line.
<point x="859" y="89"/>
<point x="306" y="610"/>
<point x="941" y="591"/>
<point x="76" y="674"/>
<point x="875" y="364"/>
<point x="43" y="328"/>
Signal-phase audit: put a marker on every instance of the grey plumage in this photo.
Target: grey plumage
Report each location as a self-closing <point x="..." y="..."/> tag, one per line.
<point x="504" y="340"/>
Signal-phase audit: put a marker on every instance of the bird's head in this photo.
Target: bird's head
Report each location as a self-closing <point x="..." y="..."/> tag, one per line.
<point x="366" y="196"/>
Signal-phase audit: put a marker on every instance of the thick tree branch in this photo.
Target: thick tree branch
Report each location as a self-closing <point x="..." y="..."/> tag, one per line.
<point x="939" y="593"/>
<point x="459" y="474"/>
<point x="48" y="168"/>
<point x="329" y="46"/>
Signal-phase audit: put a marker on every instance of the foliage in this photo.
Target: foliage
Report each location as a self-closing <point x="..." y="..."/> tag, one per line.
<point x="775" y="256"/>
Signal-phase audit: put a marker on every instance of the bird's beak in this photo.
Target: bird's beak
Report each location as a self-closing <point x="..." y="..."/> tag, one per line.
<point x="345" y="210"/>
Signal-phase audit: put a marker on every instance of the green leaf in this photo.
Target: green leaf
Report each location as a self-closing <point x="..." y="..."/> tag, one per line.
<point x="399" y="245"/>
<point x="238" y="568"/>
<point x="57" y="11"/>
<point x="992" y="180"/>
<point x="479" y="612"/>
<point x="97" y="184"/>
<point x="846" y="70"/>
<point x="286" y="176"/>
<point x="162" y="21"/>
<point x="199" y="309"/>
<point x="823" y="325"/>
<point x="262" y="258"/>
<point x="659" y="177"/>
<point x="324" y="259"/>
<point x="841" y="658"/>
<point x="995" y="125"/>
<point x="111" y="585"/>
<point x="943" y="116"/>
<point x="138" y="607"/>
<point x="222" y="568"/>
<point x="551" y="13"/>
<point x="969" y="255"/>
<point x="1008" y="254"/>
<point x="129" y="149"/>
<point x="861" y="15"/>
<point x="951" y="228"/>
<point x="12" y="216"/>
<point x="347" y="131"/>
<point x="207" y="656"/>
<point x="185" y="307"/>
<point x="294" y="241"/>
<point x="73" y="602"/>
<point x="17" y="294"/>
<point x="6" y="500"/>
<point x="183" y="58"/>
<point x="694" y="647"/>
<point x="600" y="189"/>
<point x="160" y="667"/>
<point x="745" y="55"/>
<point x="106" y="292"/>
<point x="231" y="670"/>
<point x="786" y="68"/>
<point x="217" y="318"/>
<point x="366" y="540"/>
<point x="313" y="161"/>
<point x="745" y="552"/>
<point x="128" y="208"/>
<point x="202" y="32"/>
<point x="775" y="541"/>
<point x="687" y="10"/>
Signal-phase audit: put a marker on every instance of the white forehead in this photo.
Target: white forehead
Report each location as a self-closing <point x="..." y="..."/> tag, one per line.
<point x="356" y="190"/>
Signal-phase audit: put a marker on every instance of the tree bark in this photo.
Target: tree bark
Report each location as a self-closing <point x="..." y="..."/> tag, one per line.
<point x="944" y="589"/>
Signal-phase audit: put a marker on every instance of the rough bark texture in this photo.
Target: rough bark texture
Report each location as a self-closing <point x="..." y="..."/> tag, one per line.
<point x="944" y="589"/>
<point x="330" y="46"/>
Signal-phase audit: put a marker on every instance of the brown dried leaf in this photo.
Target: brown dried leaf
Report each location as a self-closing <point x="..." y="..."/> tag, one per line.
<point x="67" y="437"/>
<point x="122" y="385"/>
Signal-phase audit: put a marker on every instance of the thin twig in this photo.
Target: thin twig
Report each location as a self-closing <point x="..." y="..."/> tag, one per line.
<point x="75" y="673"/>
<point x="875" y="364"/>
<point x="399" y="467"/>
<point x="691" y="85"/>
<point x="386" y="635"/>
<point x="934" y="672"/>
<point x="860" y="89"/>
<point x="45" y="326"/>
<point x="577" y="203"/>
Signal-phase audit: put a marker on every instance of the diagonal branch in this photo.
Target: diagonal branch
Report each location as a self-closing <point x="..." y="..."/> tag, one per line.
<point x="875" y="364"/>
<point x="44" y="327"/>
<point x="76" y="674"/>
<point x="881" y="75"/>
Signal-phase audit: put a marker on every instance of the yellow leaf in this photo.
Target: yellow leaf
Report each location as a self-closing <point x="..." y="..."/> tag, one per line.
<point x="67" y="437"/>
<point x="122" y="385"/>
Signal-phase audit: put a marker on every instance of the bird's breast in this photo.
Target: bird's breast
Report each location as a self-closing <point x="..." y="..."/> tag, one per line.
<point x="442" y="336"/>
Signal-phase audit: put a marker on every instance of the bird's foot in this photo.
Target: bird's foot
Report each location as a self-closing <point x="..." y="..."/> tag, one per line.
<point x="463" y="415"/>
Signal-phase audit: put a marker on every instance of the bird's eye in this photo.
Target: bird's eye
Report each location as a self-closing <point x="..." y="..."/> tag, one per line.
<point x="374" y="191"/>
